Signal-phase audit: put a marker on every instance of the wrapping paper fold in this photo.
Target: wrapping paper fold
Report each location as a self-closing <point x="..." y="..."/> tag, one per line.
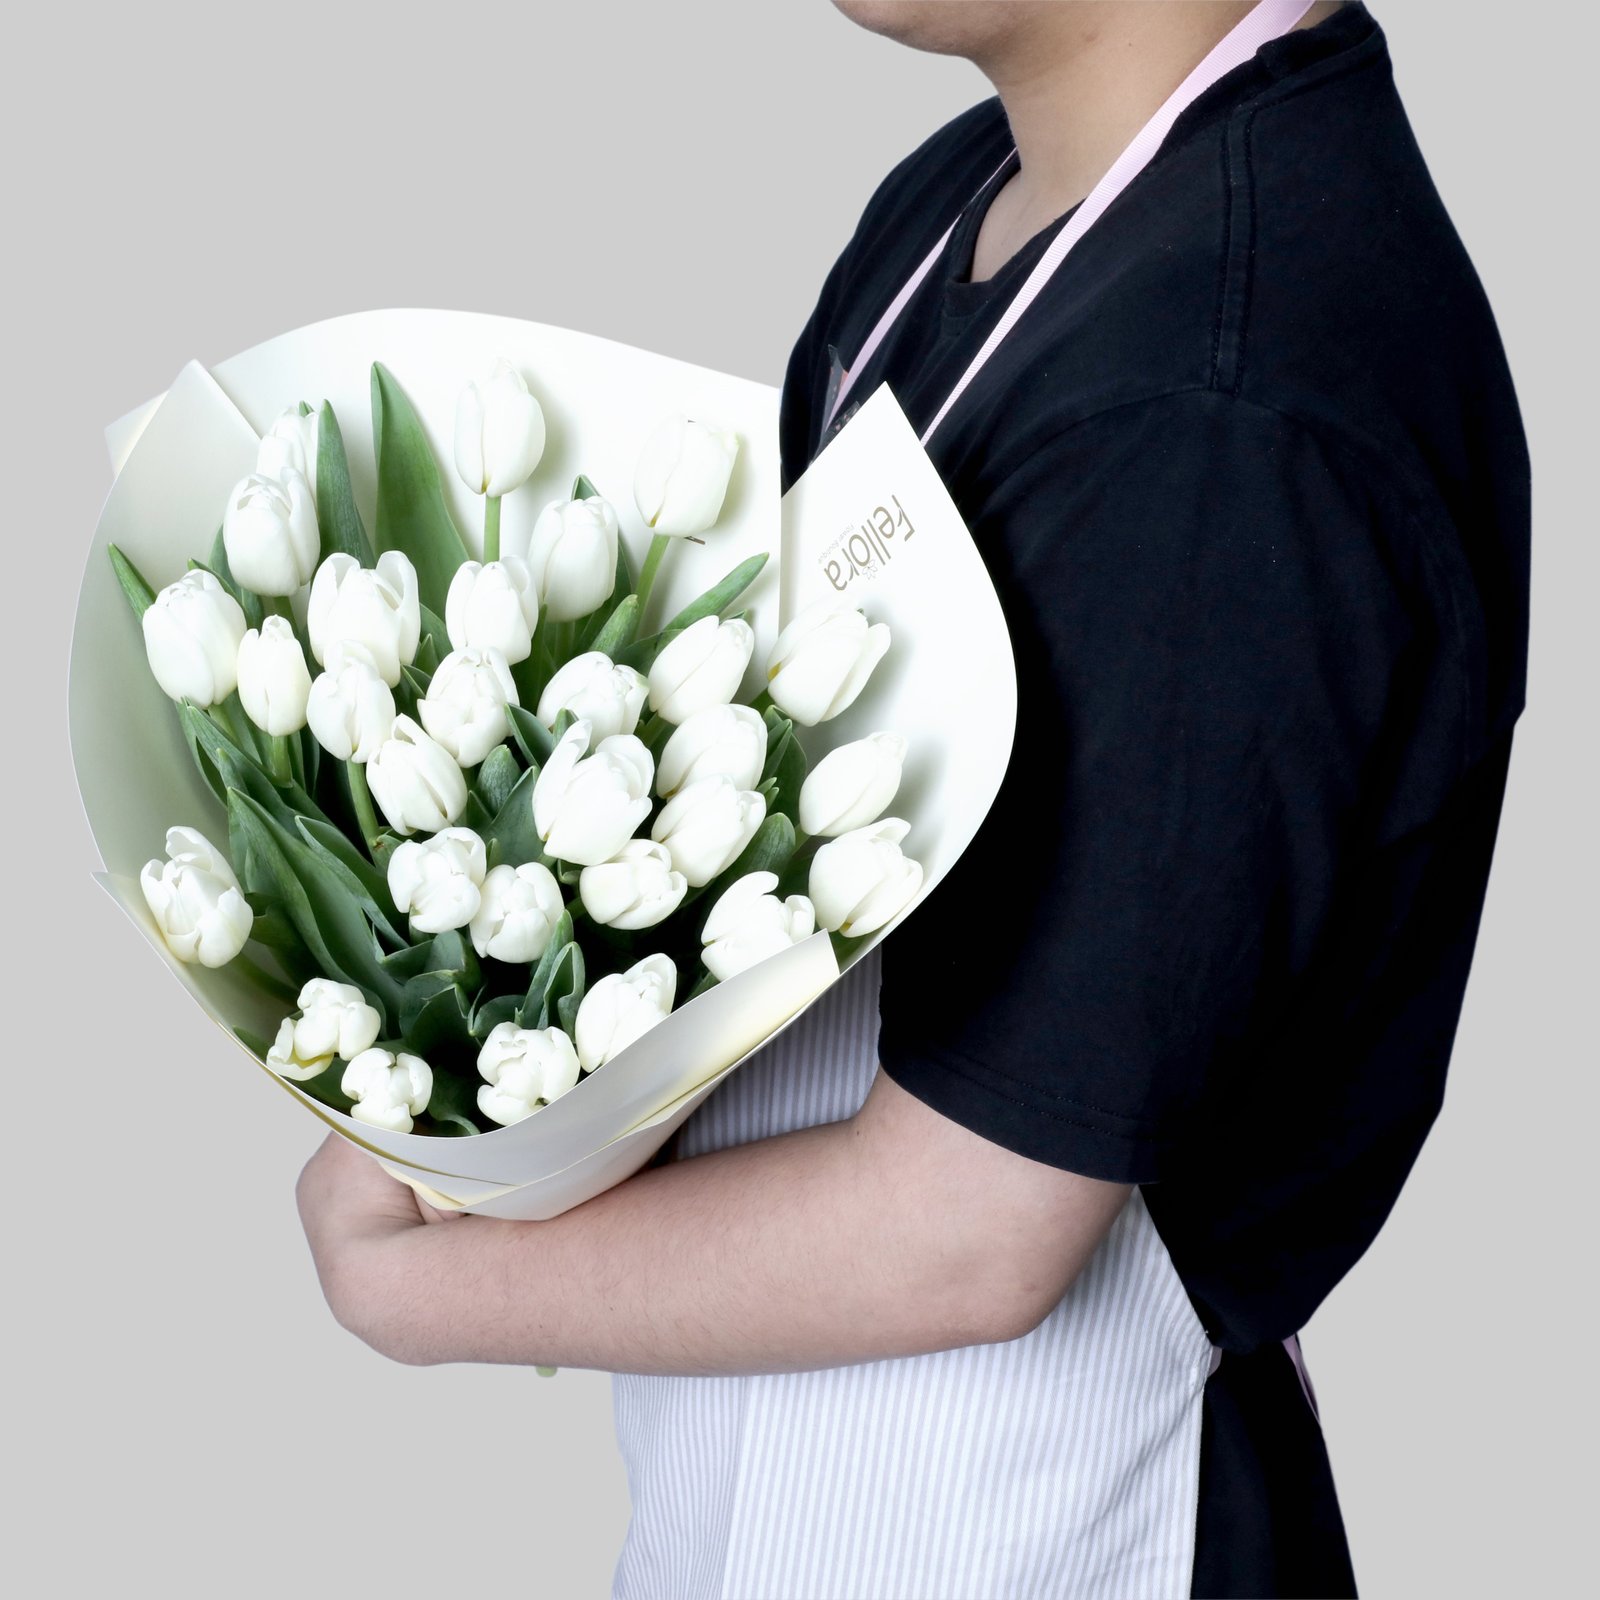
<point x="870" y="519"/>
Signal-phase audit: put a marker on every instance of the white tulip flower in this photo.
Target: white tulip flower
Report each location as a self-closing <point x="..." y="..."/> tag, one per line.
<point x="290" y="444"/>
<point x="637" y="888"/>
<point x="196" y="900"/>
<point x="334" y="1020"/>
<point x="378" y="607"/>
<point x="415" y="780"/>
<point x="706" y="824"/>
<point x="606" y="696"/>
<point x="350" y="709"/>
<point x="520" y="908"/>
<point x="465" y="707"/>
<point x="192" y="631"/>
<point x="388" y="1089"/>
<point x="749" y="923"/>
<point x="499" y="432"/>
<point x="573" y="556"/>
<point x="526" y="1068"/>
<point x="682" y="475"/>
<point x="438" y="882"/>
<point x="586" y="807"/>
<point x="269" y="530"/>
<point x="822" y="660"/>
<point x="852" y="785"/>
<point x="719" y="742"/>
<point x="493" y="607"/>
<point x="861" y="880"/>
<point x="274" y="682"/>
<point x="702" y="667"/>
<point x="622" y="1007"/>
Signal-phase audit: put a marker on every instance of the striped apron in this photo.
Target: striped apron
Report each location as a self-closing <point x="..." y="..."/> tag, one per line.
<point x="1064" y="1463"/>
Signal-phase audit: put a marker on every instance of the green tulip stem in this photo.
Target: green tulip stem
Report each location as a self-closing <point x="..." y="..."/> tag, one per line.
<point x="278" y="757"/>
<point x="277" y="605"/>
<point x="647" y="577"/>
<point x="361" y="799"/>
<point x="491" y="528"/>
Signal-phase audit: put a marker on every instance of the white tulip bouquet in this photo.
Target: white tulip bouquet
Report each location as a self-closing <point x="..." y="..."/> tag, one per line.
<point x="489" y="822"/>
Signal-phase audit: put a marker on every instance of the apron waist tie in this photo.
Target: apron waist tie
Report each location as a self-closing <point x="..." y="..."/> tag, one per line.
<point x="1291" y="1346"/>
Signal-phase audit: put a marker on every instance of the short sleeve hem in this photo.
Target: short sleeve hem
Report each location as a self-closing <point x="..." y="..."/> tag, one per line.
<point x="1052" y="1129"/>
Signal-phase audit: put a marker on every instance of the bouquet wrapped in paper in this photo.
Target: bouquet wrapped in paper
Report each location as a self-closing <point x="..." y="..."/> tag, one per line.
<point x="504" y="776"/>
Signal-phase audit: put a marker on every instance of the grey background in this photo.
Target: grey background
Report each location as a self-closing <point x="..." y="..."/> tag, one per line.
<point x="188" y="180"/>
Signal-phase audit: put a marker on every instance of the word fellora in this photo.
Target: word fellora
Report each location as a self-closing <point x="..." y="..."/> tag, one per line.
<point x="864" y="551"/>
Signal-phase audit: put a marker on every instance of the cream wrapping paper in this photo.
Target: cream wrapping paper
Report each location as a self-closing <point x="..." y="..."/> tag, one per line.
<point x="870" y="519"/>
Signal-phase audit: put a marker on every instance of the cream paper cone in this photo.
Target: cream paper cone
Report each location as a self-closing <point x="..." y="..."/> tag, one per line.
<point x="870" y="519"/>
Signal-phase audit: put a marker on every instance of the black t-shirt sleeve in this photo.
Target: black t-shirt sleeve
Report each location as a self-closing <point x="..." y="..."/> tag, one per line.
<point x="1213" y="633"/>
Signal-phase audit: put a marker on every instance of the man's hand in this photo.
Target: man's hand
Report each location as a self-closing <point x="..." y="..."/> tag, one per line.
<point x="356" y="1217"/>
<point x="896" y="1232"/>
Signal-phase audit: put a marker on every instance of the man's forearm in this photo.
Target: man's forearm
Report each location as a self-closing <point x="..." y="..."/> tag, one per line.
<point x="810" y="1249"/>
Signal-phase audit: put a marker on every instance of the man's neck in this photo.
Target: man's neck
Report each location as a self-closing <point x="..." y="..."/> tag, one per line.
<point x="1077" y="87"/>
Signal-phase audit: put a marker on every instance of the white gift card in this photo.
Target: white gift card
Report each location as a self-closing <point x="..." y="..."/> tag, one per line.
<point x="869" y="519"/>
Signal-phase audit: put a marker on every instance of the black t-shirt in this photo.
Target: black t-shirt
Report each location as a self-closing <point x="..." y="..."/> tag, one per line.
<point x="1250" y="480"/>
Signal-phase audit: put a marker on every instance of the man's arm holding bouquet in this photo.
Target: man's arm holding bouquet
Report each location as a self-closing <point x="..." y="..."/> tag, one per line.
<point x="892" y="1233"/>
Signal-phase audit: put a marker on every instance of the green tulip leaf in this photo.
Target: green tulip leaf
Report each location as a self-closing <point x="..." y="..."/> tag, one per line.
<point x="325" y="1087"/>
<point x="544" y="973"/>
<point x="366" y="884"/>
<point x="497" y="777"/>
<point x="511" y="838"/>
<point x="451" y="1105"/>
<point x="789" y="773"/>
<point x="534" y="739"/>
<point x="489" y="1014"/>
<point x="337" y="516"/>
<point x="316" y="899"/>
<point x="720" y="595"/>
<point x="582" y="489"/>
<point x="433" y="1020"/>
<point x="250" y="603"/>
<point x="769" y="851"/>
<point x="412" y="514"/>
<point x="617" y="632"/>
<point x="132" y="582"/>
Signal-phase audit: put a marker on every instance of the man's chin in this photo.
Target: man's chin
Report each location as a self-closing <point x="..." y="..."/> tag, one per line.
<point x="945" y="27"/>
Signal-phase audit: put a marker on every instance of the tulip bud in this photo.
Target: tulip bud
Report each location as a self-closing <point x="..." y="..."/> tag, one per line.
<point x="415" y="780"/>
<point x="270" y="533"/>
<point x="636" y="889"/>
<point x="274" y="684"/>
<point x="290" y="444"/>
<point x="438" y="882"/>
<point x="494" y="607"/>
<point x="705" y="826"/>
<point x="623" y="1007"/>
<point x="573" y="556"/>
<point x="520" y="908"/>
<point x="585" y="808"/>
<point x="196" y="900"/>
<point x="822" y="660"/>
<point x="388" y="1089"/>
<point x="499" y="432"/>
<point x="192" y="631"/>
<point x="608" y="697"/>
<point x="350" y="709"/>
<point x="852" y="785"/>
<point x="465" y="707"/>
<point x="373" y="606"/>
<point x="860" y="880"/>
<point x="334" y="1020"/>
<point x="683" y="475"/>
<point x="749" y="923"/>
<point x="702" y="667"/>
<point x="719" y="742"/>
<point x="526" y="1068"/>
